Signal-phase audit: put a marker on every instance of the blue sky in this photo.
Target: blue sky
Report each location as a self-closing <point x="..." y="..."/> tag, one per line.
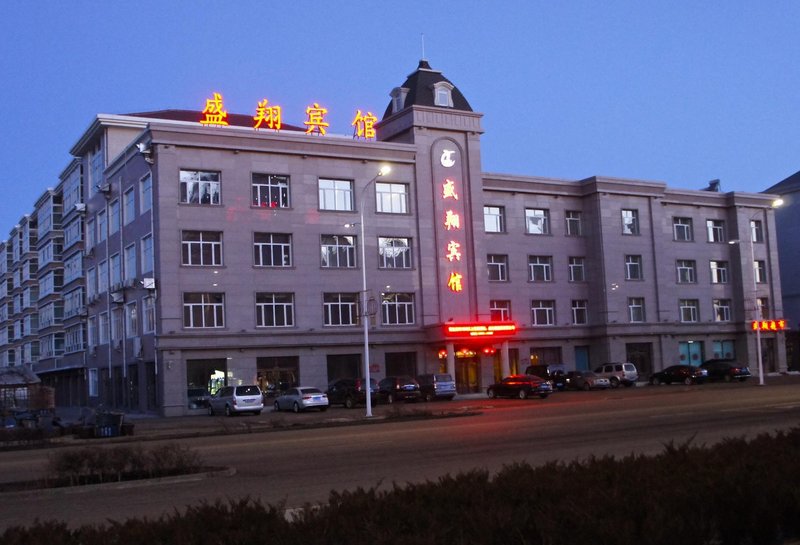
<point x="680" y="92"/>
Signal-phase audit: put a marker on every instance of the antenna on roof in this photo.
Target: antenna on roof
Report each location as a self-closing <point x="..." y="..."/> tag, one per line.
<point x="422" y="39"/>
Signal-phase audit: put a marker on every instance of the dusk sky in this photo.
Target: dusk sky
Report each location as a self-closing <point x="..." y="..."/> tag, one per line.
<point x="678" y="92"/>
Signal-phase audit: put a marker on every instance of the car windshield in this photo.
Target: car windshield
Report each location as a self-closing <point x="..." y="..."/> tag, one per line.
<point x="444" y="378"/>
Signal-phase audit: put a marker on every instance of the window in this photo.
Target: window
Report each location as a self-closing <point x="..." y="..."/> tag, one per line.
<point x="682" y="229"/>
<point x="203" y="310"/>
<point x="543" y="312"/>
<point x="129" y="202"/>
<point x="688" y="310"/>
<point x="577" y="269"/>
<point x="756" y="231"/>
<point x="270" y="191"/>
<point x="147" y="253"/>
<point x="113" y="217"/>
<point x="72" y="233"/>
<point x="146" y="193"/>
<point x="499" y="310"/>
<point x="630" y="222"/>
<point x="498" y="267"/>
<point x="394" y="252"/>
<point x="91" y="282"/>
<point x="442" y="94"/>
<point x="537" y="221"/>
<point x="397" y="308"/>
<point x="201" y="248"/>
<point x="494" y="219"/>
<point x="116" y="324"/>
<point x="102" y="277"/>
<point x="91" y="234"/>
<point x="579" y="312"/>
<point x="115" y="268"/>
<point x="149" y="314"/>
<point x="335" y="194"/>
<point x="722" y="310"/>
<point x="338" y="251"/>
<point x="199" y="187"/>
<point x="686" y="271"/>
<point x="272" y="250"/>
<point x="93" y="383"/>
<point x="574" y="223"/>
<point x="73" y="268"/>
<point x="760" y="271"/>
<point x="340" y="309"/>
<point x="763" y="307"/>
<point x="719" y="272"/>
<point x="716" y="230"/>
<point x="102" y="328"/>
<point x="636" y="309"/>
<point x="274" y="309"/>
<point x="540" y="268"/>
<point x="102" y="226"/>
<point x="391" y="198"/>
<point x="131" y="320"/>
<point x="633" y="267"/>
<point x="130" y="262"/>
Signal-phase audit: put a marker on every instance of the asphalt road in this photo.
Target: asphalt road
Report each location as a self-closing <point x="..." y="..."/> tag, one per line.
<point x="299" y="466"/>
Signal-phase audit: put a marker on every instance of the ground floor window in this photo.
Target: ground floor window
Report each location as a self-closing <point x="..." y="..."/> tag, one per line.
<point x="277" y="374"/>
<point x="207" y="373"/>
<point x="344" y="366"/>
<point x="401" y="363"/>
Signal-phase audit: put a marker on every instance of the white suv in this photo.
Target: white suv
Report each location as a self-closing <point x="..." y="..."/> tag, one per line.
<point x="619" y="373"/>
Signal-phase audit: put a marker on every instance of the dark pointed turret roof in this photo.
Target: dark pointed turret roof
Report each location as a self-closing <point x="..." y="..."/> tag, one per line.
<point x="420" y="90"/>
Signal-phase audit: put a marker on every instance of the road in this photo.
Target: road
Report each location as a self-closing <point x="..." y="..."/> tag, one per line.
<point x="301" y="466"/>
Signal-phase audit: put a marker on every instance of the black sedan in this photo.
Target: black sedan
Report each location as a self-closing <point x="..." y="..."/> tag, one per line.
<point x="687" y="374"/>
<point x="521" y="386"/>
<point x="726" y="370"/>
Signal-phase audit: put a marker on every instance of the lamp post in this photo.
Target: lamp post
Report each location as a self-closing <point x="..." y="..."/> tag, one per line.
<point x="364" y="310"/>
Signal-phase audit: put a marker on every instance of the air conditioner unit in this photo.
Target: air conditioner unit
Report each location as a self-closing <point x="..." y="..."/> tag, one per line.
<point x="149" y="283"/>
<point x="117" y="297"/>
<point x="103" y="188"/>
<point x="80" y="207"/>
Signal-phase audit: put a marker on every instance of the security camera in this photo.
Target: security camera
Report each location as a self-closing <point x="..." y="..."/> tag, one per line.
<point x="142" y="148"/>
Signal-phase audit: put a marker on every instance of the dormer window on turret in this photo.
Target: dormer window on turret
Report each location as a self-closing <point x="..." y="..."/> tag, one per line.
<point x="398" y="95"/>
<point x="443" y="94"/>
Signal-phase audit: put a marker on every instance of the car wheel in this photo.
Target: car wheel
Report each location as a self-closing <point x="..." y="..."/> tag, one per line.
<point x="428" y="397"/>
<point x="727" y="378"/>
<point x="655" y="381"/>
<point x="296" y="407"/>
<point x="543" y="396"/>
<point x="210" y="411"/>
<point x="349" y="403"/>
<point x="491" y="393"/>
<point x="614" y="382"/>
<point x="687" y="381"/>
<point x="228" y="411"/>
<point x="628" y="384"/>
<point x="389" y="399"/>
<point x="523" y="394"/>
<point x="586" y="387"/>
<point x="276" y="407"/>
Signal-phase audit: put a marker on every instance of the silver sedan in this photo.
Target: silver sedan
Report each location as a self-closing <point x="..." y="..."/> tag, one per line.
<point x="586" y="380"/>
<point x="302" y="398"/>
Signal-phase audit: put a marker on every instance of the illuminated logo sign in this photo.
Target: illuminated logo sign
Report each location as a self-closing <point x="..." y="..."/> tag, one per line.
<point x="214" y="112"/>
<point x="446" y="159"/>
<point x="364" y="125"/>
<point x="270" y="116"/>
<point x="768" y="325"/>
<point x="491" y="329"/>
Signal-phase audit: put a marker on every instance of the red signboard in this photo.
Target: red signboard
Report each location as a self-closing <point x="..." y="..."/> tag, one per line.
<point x="768" y="325"/>
<point x="491" y="329"/>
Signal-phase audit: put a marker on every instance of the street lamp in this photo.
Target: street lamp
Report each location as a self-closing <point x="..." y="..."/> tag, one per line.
<point x="384" y="170"/>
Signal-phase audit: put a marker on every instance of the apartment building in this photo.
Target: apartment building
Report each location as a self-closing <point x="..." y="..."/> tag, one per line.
<point x="185" y="249"/>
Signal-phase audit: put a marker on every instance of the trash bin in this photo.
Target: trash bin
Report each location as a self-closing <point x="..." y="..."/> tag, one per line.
<point x="108" y="425"/>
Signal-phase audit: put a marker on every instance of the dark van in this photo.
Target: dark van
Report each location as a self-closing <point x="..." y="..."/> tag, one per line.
<point x="437" y="386"/>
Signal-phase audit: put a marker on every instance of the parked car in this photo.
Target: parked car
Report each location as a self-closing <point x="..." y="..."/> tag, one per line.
<point x="554" y="372"/>
<point x="619" y="373"/>
<point x="586" y="380"/>
<point x="231" y="400"/>
<point x="198" y="398"/>
<point x="521" y="386"/>
<point x="301" y="398"/>
<point x="437" y="386"/>
<point x="399" y="388"/>
<point x="726" y="369"/>
<point x="687" y="374"/>
<point x="351" y="392"/>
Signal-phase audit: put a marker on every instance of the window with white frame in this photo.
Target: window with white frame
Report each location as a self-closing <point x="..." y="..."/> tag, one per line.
<point x="94" y="383"/>
<point x="147" y="253"/>
<point x="763" y="306"/>
<point x="270" y="191"/>
<point x="129" y="203"/>
<point x="73" y="338"/>
<point x="630" y="222"/>
<point x="92" y="330"/>
<point x="91" y="234"/>
<point x="146" y="193"/>
<point x="149" y="314"/>
<point x="537" y="221"/>
<point x="397" y="308"/>
<point x="394" y="253"/>
<point x="689" y="310"/>
<point x="756" y="231"/>
<point x="73" y="268"/>
<point x="44" y="219"/>
<point x="499" y="310"/>
<point x="130" y="261"/>
<point x="274" y="309"/>
<point x="338" y="251"/>
<point x="497" y="265"/>
<point x="636" y="309"/>
<point x="580" y="313"/>
<point x="682" y="229"/>
<point x="96" y="166"/>
<point x="494" y="219"/>
<point x="540" y="268"/>
<point x="131" y="319"/>
<point x="72" y="189"/>
<point x="686" y="269"/>
<point x="577" y="269"/>
<point x="719" y="272"/>
<point x="72" y="233"/>
<point x="115" y="269"/>
<point x="391" y="198"/>
<point x="91" y="282"/>
<point x="272" y="249"/>
<point x="574" y="219"/>
<point x="117" y="318"/>
<point x="543" y="312"/>
<point x="200" y="187"/>
<point x="340" y="309"/>
<point x="113" y="217"/>
<point x="443" y="94"/>
<point x="633" y="267"/>
<point x="102" y="328"/>
<point x="73" y="302"/>
<point x="760" y="270"/>
<point x="201" y="248"/>
<point x="715" y="230"/>
<point x="203" y="310"/>
<point x="102" y="226"/>
<point x="47" y="315"/>
<point x="722" y="310"/>
<point x="335" y="195"/>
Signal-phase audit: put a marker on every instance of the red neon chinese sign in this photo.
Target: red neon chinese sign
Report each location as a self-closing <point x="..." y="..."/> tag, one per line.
<point x="768" y="325"/>
<point x="476" y="329"/>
